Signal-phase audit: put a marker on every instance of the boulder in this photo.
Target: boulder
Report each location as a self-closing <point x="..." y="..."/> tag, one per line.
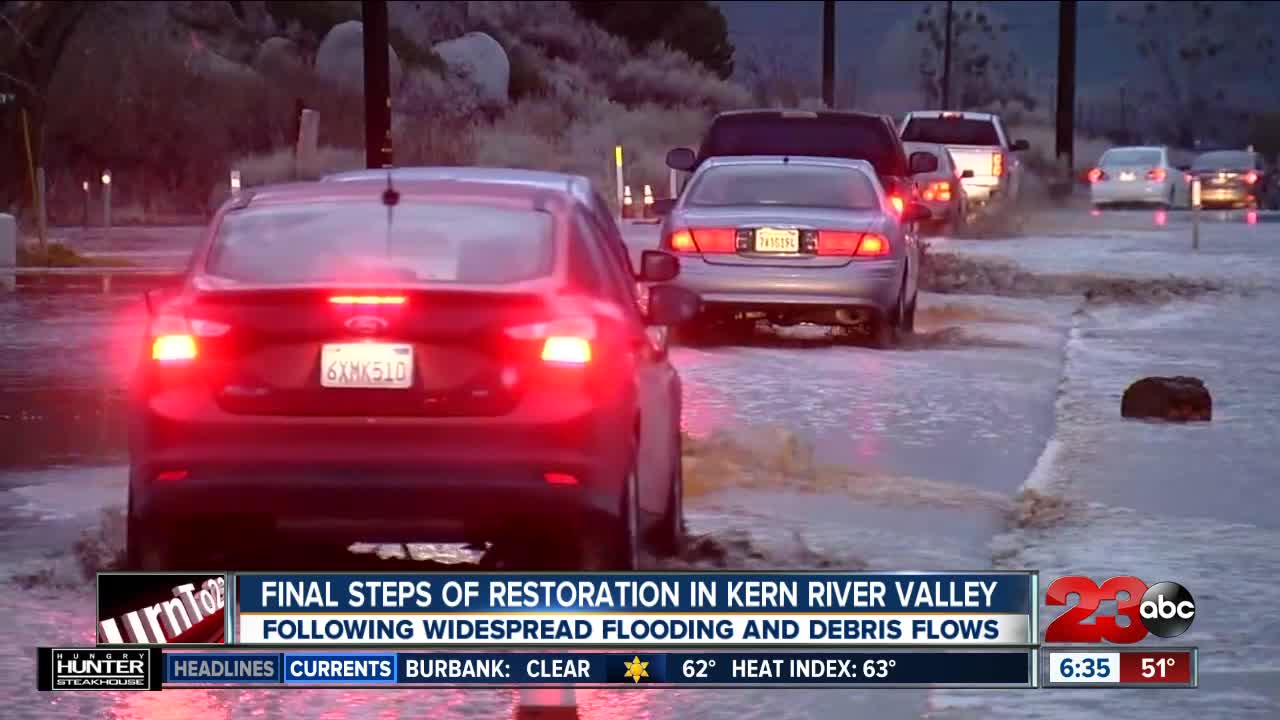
<point x="480" y="59"/>
<point x="279" y="59"/>
<point x="340" y="58"/>
<point x="1167" y="398"/>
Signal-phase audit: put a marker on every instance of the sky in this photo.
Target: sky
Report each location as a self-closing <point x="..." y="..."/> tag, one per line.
<point x="869" y="32"/>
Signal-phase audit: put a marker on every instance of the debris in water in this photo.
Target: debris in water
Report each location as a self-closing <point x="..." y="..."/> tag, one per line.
<point x="1036" y="510"/>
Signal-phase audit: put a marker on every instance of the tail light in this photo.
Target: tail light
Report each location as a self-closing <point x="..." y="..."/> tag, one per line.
<point x="173" y="348"/>
<point x="857" y="244"/>
<point x="565" y="341"/>
<point x="1156" y="174"/>
<point x="1251" y="177"/>
<point x="997" y="164"/>
<point x="174" y="338"/>
<point x="367" y="299"/>
<point x="1096" y="175"/>
<point x="706" y="240"/>
<point x="938" y="191"/>
<point x="898" y="203"/>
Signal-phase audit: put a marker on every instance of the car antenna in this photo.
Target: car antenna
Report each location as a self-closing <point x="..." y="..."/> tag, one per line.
<point x="390" y="198"/>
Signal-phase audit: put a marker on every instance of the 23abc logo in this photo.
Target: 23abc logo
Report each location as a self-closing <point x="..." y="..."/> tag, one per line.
<point x="1165" y="609"/>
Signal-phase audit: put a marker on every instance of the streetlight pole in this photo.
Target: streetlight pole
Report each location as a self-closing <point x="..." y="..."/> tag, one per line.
<point x="377" y="85"/>
<point x="829" y="53"/>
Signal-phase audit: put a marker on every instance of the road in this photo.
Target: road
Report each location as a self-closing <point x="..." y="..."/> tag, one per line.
<point x="991" y="439"/>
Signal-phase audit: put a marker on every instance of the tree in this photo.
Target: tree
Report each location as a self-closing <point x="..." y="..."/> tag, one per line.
<point x="1189" y="49"/>
<point x="33" y="36"/>
<point x="985" y="70"/>
<point x="696" y="28"/>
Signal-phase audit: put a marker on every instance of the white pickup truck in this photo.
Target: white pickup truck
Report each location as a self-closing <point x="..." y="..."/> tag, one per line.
<point x="977" y="142"/>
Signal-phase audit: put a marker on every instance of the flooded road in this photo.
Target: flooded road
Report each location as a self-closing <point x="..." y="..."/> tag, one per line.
<point x="803" y="455"/>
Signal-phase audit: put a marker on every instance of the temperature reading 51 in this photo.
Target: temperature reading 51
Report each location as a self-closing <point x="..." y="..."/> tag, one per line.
<point x="877" y="668"/>
<point x="697" y="668"/>
<point x="1153" y="667"/>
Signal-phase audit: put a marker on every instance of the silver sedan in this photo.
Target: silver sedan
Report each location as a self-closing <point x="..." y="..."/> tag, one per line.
<point x="796" y="240"/>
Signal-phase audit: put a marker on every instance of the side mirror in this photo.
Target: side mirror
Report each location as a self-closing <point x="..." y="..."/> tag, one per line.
<point x="662" y="207"/>
<point x="672" y="305"/>
<point x="1020" y="145"/>
<point x="915" y="212"/>
<point x="922" y="162"/>
<point x="966" y="174"/>
<point x="681" y="159"/>
<point x="657" y="266"/>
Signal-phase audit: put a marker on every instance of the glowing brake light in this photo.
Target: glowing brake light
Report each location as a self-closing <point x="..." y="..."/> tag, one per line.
<point x="898" y="203"/>
<point x="706" y="240"/>
<point x="1251" y="177"/>
<point x="997" y="164"/>
<point x="1096" y="175"/>
<point x="173" y="348"/>
<point x="937" y="191"/>
<point x="1157" y="174"/>
<point x="840" y="242"/>
<point x="566" y="341"/>
<point x="367" y="299"/>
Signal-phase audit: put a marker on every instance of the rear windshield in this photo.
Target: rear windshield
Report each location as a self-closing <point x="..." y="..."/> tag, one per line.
<point x="855" y="137"/>
<point x="951" y="131"/>
<point x="776" y="184"/>
<point x="1130" y="156"/>
<point x="350" y="241"/>
<point x="1227" y="160"/>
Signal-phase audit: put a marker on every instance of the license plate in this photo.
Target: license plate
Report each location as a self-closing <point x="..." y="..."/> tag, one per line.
<point x="1127" y="176"/>
<point x="367" y="365"/>
<point x="775" y="240"/>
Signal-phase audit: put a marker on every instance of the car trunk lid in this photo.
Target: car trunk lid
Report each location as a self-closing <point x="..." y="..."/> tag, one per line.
<point x="777" y="236"/>
<point x="367" y="351"/>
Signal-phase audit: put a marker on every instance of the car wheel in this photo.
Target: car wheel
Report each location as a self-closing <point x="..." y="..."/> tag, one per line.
<point x="669" y="536"/>
<point x="909" y="321"/>
<point x="147" y="549"/>
<point x="617" y="545"/>
<point x="884" y="331"/>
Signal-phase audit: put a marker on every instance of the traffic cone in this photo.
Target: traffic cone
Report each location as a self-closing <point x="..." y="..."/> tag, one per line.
<point x="627" y="208"/>
<point x="546" y="703"/>
<point x="648" y="201"/>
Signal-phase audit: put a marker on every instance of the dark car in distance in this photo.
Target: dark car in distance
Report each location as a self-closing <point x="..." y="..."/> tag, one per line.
<point x="803" y="133"/>
<point x="441" y="361"/>
<point x="1234" y="178"/>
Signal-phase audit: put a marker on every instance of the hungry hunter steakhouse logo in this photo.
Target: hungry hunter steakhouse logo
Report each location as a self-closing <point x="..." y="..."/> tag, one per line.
<point x="164" y="621"/>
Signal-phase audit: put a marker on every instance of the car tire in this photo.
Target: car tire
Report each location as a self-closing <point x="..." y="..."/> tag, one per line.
<point x="909" y="320"/>
<point x="884" y="331"/>
<point x="148" y="549"/>
<point x="616" y="546"/>
<point x="668" y="538"/>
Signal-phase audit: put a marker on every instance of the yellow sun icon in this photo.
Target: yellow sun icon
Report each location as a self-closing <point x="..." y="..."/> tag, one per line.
<point x="636" y="669"/>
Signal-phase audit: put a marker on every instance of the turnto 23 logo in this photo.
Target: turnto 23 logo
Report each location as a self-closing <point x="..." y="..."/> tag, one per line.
<point x="1165" y="609"/>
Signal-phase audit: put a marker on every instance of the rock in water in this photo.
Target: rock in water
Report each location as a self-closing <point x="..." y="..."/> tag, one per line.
<point x="1167" y="398"/>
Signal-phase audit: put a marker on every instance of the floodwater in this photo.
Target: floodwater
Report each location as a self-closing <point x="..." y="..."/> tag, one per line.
<point x="801" y="454"/>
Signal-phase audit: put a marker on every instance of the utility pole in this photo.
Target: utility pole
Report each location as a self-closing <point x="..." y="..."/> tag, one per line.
<point x="946" y="62"/>
<point x="1065" y="145"/>
<point x="829" y="53"/>
<point x="377" y="85"/>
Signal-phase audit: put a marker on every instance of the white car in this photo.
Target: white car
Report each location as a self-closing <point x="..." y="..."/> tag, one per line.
<point x="980" y="144"/>
<point x="1138" y="176"/>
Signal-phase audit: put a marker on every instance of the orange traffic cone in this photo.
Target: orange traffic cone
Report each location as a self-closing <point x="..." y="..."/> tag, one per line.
<point x="627" y="207"/>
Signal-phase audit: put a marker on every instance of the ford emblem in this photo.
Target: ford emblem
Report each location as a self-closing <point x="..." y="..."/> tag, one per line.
<point x="366" y="324"/>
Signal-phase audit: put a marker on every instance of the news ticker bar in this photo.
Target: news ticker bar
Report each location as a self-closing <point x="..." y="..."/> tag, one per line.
<point x="154" y="669"/>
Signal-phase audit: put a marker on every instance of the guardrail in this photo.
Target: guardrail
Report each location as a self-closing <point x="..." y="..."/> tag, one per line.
<point x="101" y="279"/>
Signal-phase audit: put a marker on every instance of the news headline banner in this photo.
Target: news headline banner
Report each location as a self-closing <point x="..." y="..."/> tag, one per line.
<point x="940" y="668"/>
<point x="673" y="609"/>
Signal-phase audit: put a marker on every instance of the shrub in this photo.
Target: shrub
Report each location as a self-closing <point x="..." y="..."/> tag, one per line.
<point x="697" y="29"/>
<point x="670" y="78"/>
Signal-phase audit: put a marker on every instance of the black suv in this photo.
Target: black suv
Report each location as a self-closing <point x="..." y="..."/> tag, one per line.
<point x="853" y="135"/>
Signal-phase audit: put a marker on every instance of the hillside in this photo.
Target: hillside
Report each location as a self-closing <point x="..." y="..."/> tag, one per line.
<point x="171" y="96"/>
